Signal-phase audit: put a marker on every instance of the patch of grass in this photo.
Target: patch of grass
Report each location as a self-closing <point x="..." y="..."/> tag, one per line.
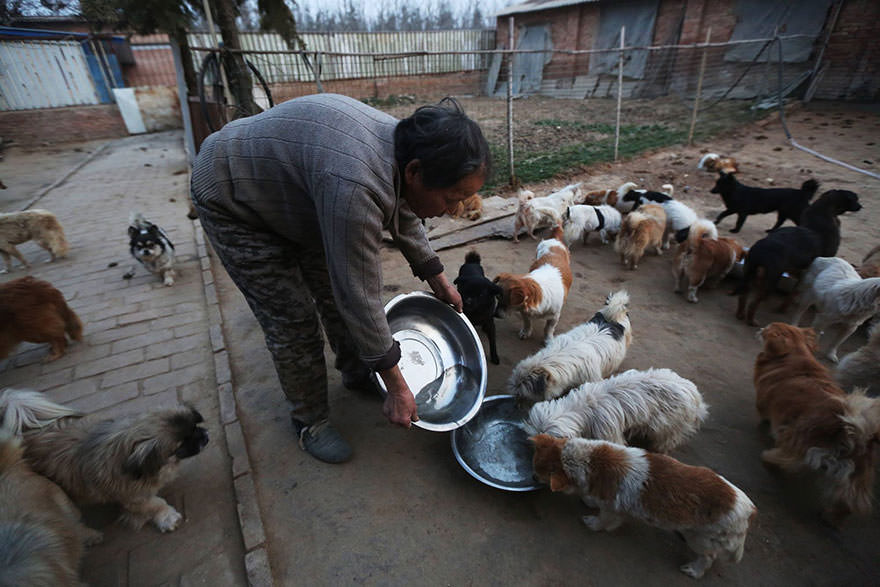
<point x="598" y="127"/>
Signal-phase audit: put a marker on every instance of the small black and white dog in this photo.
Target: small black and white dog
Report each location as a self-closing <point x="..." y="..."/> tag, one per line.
<point x="480" y="298"/>
<point x="151" y="247"/>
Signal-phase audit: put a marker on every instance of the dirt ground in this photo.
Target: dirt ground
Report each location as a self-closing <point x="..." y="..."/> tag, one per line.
<point x="404" y="511"/>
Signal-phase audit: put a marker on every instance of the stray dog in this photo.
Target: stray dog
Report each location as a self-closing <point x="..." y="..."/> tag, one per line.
<point x="639" y="231"/>
<point x="630" y="196"/>
<point x="42" y="538"/>
<point x="540" y="293"/>
<point x="870" y="266"/>
<point x="470" y="208"/>
<point x="579" y="221"/>
<point x="535" y="212"/>
<point x="792" y="248"/>
<point x="704" y="257"/>
<point x="861" y="369"/>
<point x="124" y="461"/>
<point x="656" y="409"/>
<point x="151" y="247"/>
<point x="679" y="216"/>
<point x="588" y="352"/>
<point x="480" y="299"/>
<point x="816" y="425"/>
<point x="743" y="200"/>
<point x="38" y="225"/>
<point x="704" y="508"/>
<point x="841" y="297"/>
<point x="713" y="162"/>
<point x="606" y="197"/>
<point x="32" y="310"/>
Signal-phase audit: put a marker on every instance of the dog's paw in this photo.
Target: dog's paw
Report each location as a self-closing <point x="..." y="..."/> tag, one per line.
<point x="168" y="519"/>
<point x="692" y="298"/>
<point x="169" y="281"/>
<point x="693" y="569"/>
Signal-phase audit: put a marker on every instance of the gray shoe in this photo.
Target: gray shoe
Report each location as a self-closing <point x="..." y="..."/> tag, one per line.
<point x="322" y="441"/>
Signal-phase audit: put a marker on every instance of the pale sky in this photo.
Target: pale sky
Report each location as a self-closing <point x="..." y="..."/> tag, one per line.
<point x="372" y="7"/>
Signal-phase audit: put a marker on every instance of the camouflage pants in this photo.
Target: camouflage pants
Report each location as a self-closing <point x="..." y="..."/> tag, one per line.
<point x="287" y="289"/>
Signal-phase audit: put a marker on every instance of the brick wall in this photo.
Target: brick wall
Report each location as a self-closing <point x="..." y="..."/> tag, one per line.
<point x="30" y="128"/>
<point x="853" y="54"/>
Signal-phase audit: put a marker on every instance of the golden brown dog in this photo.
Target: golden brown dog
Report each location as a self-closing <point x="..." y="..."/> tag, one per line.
<point x="470" y="208"/>
<point x="702" y="258"/>
<point x="32" y="310"/>
<point x="639" y="231"/>
<point x="38" y="225"/>
<point x="815" y="424"/>
<point x="42" y="539"/>
<point x="600" y="197"/>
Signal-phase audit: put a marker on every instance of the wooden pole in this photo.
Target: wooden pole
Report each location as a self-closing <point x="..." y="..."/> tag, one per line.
<point x="513" y="181"/>
<point x="619" y="90"/>
<point x="317" y="71"/>
<point x="699" y="89"/>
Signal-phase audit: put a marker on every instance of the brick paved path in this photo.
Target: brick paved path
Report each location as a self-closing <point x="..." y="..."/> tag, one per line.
<point x="146" y="347"/>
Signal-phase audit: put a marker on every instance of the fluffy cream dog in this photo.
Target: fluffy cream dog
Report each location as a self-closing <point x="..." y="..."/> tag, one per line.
<point x="124" y="461"/>
<point x="861" y="369"/>
<point x="545" y="211"/>
<point x="588" y="352"/>
<point x="656" y="409"/>
<point x="843" y="300"/>
<point x="709" y="512"/>
<point x="41" y="536"/>
<point x="639" y="231"/>
<point x="541" y="293"/>
<point x="580" y="220"/>
<point x="38" y="225"/>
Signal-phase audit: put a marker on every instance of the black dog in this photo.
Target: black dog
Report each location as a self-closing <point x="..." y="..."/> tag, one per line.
<point x="744" y="200"/>
<point x="480" y="298"/>
<point x="793" y="248"/>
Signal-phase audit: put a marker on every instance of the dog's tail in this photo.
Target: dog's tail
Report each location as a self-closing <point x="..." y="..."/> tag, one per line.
<point x="72" y="324"/>
<point x="625" y="189"/>
<point x="10" y="450"/>
<point x="667" y="188"/>
<point x="701" y="229"/>
<point x="24" y="410"/>
<point x="615" y="306"/>
<point x="809" y="188"/>
<point x="472" y="257"/>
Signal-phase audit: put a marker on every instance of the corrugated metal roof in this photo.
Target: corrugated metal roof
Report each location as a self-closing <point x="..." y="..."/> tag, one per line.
<point x="535" y="5"/>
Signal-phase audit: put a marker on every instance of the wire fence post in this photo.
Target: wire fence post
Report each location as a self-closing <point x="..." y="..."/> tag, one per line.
<point x="699" y="88"/>
<point x="510" y="102"/>
<point x="619" y="90"/>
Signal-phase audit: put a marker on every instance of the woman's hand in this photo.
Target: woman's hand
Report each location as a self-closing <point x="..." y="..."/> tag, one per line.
<point x="445" y="291"/>
<point x="400" y="405"/>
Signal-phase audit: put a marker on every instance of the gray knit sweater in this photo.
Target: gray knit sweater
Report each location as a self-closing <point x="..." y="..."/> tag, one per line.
<point x="320" y="171"/>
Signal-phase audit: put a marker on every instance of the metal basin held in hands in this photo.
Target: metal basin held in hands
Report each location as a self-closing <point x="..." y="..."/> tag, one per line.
<point x="441" y="359"/>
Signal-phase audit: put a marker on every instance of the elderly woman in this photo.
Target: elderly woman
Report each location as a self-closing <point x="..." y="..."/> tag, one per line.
<point x="294" y="201"/>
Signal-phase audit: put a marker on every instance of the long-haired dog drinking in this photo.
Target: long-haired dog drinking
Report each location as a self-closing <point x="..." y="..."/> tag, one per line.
<point x="639" y="231"/>
<point x="656" y="409"/>
<point x="40" y="226"/>
<point x="816" y="426"/>
<point x="32" y="310"/>
<point x="541" y="293"/>
<point x="709" y="512"/>
<point x="125" y="461"/>
<point x="703" y="258"/>
<point x="588" y="352"/>
<point x="843" y="300"/>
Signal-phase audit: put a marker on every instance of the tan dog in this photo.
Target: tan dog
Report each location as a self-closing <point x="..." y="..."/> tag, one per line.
<point x="470" y="208"/>
<point x="600" y="197"/>
<point x="536" y="212"/>
<point x="540" y="293"/>
<point x="125" y="461"/>
<point x="38" y="225"/>
<point x="32" y="310"/>
<point x="702" y="258"/>
<point x="640" y="231"/>
<point x="815" y="424"/>
<point x="42" y="538"/>
<point x="709" y="512"/>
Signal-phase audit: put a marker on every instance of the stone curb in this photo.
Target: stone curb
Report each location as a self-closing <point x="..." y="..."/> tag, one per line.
<point x="64" y="177"/>
<point x="259" y="572"/>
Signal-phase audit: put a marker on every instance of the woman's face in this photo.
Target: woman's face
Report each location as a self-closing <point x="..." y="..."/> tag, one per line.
<point x="428" y="202"/>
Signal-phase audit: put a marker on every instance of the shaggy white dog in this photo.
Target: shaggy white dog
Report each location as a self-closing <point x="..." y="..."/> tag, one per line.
<point x="547" y="210"/>
<point x="579" y="221"/>
<point x="842" y="299"/>
<point x="656" y="407"/>
<point x="588" y="352"/>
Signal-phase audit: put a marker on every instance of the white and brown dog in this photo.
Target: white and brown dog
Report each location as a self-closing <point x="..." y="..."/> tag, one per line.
<point x="539" y="294"/>
<point x="713" y="162"/>
<point x="588" y="352"/>
<point x="600" y="197"/>
<point x="580" y="220"/>
<point x="639" y="231"/>
<point x="843" y="300"/>
<point x="704" y="257"/>
<point x="709" y="512"/>
<point x="534" y="212"/>
<point x="656" y="409"/>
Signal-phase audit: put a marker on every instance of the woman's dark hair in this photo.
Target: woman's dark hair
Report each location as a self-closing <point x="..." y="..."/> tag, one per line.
<point x="448" y="144"/>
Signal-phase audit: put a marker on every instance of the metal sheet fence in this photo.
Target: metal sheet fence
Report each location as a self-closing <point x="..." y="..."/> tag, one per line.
<point x="44" y="74"/>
